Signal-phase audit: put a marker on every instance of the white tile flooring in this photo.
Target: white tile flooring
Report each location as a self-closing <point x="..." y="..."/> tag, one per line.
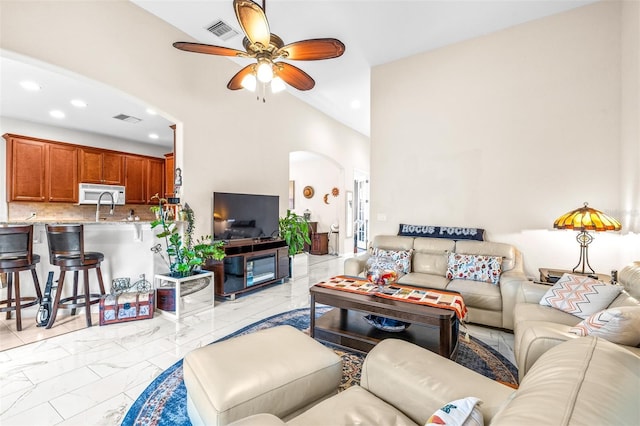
<point x="92" y="376"/>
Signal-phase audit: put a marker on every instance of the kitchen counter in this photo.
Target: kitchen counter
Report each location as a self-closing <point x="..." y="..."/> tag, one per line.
<point x="126" y="246"/>
<point x="84" y="222"/>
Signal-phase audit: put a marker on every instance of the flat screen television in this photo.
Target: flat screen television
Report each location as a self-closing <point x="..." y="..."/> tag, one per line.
<point x="237" y="216"/>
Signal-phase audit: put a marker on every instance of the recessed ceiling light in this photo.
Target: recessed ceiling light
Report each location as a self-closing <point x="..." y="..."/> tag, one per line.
<point x="355" y="104"/>
<point x="153" y="136"/>
<point x="56" y="113"/>
<point x="31" y="86"/>
<point x="151" y="111"/>
<point x="79" y="103"/>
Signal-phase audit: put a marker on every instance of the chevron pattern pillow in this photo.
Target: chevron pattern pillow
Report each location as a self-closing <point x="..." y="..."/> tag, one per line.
<point x="618" y="325"/>
<point x="580" y="295"/>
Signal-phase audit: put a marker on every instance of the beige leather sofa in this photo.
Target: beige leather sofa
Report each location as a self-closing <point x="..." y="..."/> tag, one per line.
<point x="403" y="384"/>
<point x="488" y="304"/>
<point x="539" y="328"/>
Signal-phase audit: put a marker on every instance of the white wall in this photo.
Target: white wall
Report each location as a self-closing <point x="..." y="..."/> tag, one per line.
<point x="507" y="132"/>
<point x="630" y="131"/>
<point x="226" y="141"/>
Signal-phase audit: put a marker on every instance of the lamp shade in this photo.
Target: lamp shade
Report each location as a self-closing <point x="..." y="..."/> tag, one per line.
<point x="587" y="219"/>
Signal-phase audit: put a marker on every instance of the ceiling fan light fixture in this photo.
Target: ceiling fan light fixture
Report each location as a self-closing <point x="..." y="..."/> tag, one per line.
<point x="268" y="49"/>
<point x="249" y="82"/>
<point x="277" y="85"/>
<point x="264" y="71"/>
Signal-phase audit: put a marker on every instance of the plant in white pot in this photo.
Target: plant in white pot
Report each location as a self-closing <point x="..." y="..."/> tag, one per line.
<point x="185" y="256"/>
<point x="294" y="230"/>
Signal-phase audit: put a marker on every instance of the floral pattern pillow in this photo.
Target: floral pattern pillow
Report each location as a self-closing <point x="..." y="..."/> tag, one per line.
<point x="401" y="258"/>
<point x="474" y="267"/>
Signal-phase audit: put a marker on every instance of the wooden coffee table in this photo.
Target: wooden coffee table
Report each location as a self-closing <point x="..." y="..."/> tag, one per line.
<point x="432" y="328"/>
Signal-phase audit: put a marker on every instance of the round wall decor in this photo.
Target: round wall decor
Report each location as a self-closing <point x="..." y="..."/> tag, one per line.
<point x="308" y="192"/>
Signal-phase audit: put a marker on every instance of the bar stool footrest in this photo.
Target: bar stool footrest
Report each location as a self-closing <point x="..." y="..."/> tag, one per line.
<point x="66" y="302"/>
<point x="25" y="302"/>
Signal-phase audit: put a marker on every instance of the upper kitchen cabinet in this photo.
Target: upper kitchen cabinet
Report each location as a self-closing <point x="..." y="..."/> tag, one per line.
<point x="135" y="179"/>
<point x="169" y="174"/>
<point x="155" y="182"/>
<point x="63" y="175"/>
<point x="144" y="177"/>
<point x="50" y="171"/>
<point x="40" y="171"/>
<point x="100" y="166"/>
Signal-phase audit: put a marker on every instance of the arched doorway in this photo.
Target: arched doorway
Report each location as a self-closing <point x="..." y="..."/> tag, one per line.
<point x="319" y="188"/>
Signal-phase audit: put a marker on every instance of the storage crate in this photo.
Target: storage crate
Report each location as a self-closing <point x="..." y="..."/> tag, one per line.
<point x="126" y="307"/>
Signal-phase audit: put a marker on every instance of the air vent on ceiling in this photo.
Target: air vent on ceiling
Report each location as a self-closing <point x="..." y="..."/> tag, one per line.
<point x="127" y="118"/>
<point x="222" y="30"/>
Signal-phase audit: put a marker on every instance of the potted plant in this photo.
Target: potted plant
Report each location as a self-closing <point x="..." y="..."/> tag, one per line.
<point x="185" y="256"/>
<point x="294" y="230"/>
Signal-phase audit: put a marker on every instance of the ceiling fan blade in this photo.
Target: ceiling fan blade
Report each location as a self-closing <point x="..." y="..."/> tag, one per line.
<point x="312" y="50"/>
<point x="236" y="81"/>
<point x="253" y="21"/>
<point x="208" y="49"/>
<point x="294" y="76"/>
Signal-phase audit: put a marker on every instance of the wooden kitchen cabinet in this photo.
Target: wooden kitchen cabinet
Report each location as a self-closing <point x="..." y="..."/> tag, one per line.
<point x="40" y="171"/>
<point x="27" y="167"/>
<point x="44" y="170"/>
<point x="169" y="170"/>
<point x="100" y="166"/>
<point x="63" y="173"/>
<point x="155" y="178"/>
<point x="144" y="177"/>
<point x="135" y="179"/>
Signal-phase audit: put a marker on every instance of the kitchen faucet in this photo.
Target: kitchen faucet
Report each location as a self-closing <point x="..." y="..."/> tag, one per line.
<point x="113" y="204"/>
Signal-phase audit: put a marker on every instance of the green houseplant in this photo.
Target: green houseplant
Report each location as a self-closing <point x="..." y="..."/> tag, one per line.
<point x="294" y="229"/>
<point x="185" y="255"/>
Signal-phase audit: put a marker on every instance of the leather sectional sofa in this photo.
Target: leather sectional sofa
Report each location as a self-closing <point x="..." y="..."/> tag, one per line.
<point x="488" y="304"/>
<point x="539" y="328"/>
<point x="403" y="384"/>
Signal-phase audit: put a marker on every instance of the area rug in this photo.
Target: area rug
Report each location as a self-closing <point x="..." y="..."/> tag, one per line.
<point x="164" y="401"/>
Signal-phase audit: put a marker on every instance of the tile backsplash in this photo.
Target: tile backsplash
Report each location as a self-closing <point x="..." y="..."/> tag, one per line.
<point x="21" y="211"/>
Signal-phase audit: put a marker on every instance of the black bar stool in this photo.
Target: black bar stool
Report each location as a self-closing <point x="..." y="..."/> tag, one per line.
<point x="16" y="254"/>
<point x="66" y="250"/>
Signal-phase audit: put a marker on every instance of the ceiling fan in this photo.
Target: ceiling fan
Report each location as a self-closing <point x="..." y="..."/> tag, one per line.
<point x="269" y="50"/>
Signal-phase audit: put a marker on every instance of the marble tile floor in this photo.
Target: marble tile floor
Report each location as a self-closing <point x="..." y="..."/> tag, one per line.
<point x="92" y="376"/>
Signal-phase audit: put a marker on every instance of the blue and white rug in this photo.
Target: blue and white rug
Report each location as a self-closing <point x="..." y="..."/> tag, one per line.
<point x="164" y="401"/>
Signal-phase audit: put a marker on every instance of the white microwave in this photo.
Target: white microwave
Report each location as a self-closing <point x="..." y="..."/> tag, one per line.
<point x="89" y="193"/>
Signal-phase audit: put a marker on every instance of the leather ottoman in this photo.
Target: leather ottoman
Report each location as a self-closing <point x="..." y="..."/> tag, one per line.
<point x="278" y="370"/>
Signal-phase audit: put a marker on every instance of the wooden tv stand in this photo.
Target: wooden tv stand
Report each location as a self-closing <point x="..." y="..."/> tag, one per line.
<point x="249" y="264"/>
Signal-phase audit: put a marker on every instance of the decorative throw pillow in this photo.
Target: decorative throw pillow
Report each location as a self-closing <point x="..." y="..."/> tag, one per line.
<point x="461" y="412"/>
<point x="474" y="267"/>
<point x="401" y="258"/>
<point x="580" y="295"/>
<point x="618" y="325"/>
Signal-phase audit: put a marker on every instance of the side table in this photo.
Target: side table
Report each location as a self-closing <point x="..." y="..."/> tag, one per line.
<point x="549" y="275"/>
<point x="176" y="297"/>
